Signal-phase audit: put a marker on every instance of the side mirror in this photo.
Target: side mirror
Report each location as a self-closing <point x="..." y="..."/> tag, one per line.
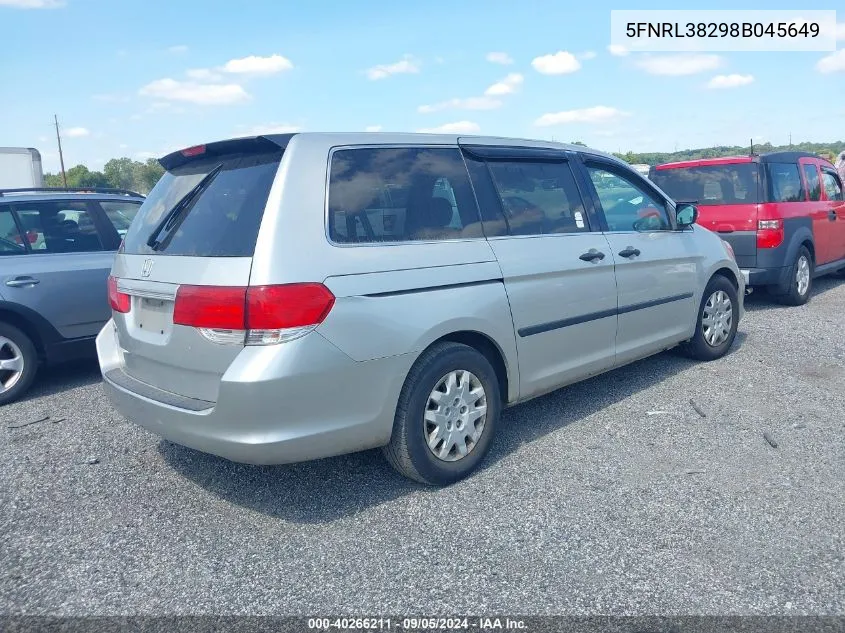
<point x="686" y="215"/>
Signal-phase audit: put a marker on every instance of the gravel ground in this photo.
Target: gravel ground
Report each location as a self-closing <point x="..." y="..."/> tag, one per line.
<point x="612" y="496"/>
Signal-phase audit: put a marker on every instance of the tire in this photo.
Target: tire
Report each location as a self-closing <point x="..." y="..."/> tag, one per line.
<point x="408" y="450"/>
<point x="793" y="296"/>
<point x="16" y="344"/>
<point x="708" y="343"/>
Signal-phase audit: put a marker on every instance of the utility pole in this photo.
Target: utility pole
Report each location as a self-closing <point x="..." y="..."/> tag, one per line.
<point x="61" y="157"/>
<point x="790" y="139"/>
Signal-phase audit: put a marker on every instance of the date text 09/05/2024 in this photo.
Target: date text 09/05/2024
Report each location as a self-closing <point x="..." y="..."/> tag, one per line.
<point x="722" y="29"/>
<point x="415" y="624"/>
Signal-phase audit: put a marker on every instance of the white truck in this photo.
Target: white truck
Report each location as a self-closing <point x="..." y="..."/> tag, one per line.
<point x="20" y="167"/>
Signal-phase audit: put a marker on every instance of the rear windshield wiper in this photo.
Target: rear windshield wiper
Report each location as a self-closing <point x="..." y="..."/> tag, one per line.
<point x="172" y="218"/>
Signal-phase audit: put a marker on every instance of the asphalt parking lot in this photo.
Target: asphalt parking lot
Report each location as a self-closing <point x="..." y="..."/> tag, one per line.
<point x="612" y="496"/>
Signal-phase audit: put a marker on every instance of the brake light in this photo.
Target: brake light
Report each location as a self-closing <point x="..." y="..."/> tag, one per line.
<point x="257" y="315"/>
<point x="119" y="301"/>
<point x="196" y="150"/>
<point x="769" y="233"/>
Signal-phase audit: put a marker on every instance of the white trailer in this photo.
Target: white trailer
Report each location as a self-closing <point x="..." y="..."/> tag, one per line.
<point x="20" y="167"/>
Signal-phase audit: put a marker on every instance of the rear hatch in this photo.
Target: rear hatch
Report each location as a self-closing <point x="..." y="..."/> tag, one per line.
<point x="728" y="195"/>
<point x="194" y="235"/>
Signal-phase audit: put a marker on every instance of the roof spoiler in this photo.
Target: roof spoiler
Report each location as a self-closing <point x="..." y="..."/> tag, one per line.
<point x="122" y="192"/>
<point x="250" y="145"/>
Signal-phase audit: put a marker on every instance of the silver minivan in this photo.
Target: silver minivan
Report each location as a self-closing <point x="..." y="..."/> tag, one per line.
<point x="290" y="297"/>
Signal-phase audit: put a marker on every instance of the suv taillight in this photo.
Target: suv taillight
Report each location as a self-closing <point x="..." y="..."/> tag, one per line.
<point x="256" y="315"/>
<point x="769" y="233"/>
<point x="119" y="301"/>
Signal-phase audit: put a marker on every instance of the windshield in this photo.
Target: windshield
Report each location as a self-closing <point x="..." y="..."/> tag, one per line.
<point x="711" y="184"/>
<point x="221" y="221"/>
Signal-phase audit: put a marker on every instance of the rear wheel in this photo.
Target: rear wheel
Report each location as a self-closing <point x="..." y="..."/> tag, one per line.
<point x="715" y="330"/>
<point x="800" y="280"/>
<point x="446" y="416"/>
<point x="18" y="363"/>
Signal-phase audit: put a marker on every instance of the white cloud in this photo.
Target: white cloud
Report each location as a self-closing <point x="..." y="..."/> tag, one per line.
<point x="373" y="128"/>
<point x="203" y="74"/>
<point x="255" y="65"/>
<point x="596" y="114"/>
<point x="840" y="31"/>
<point x="470" y="103"/>
<point x="192" y="92"/>
<point x="499" y="58"/>
<point x="677" y="65"/>
<point x="560" y="63"/>
<point x="179" y="48"/>
<point x="730" y="81"/>
<point x="273" y="128"/>
<point x="617" y="50"/>
<point x="32" y="4"/>
<point x="587" y="55"/>
<point x="123" y="146"/>
<point x="833" y="63"/>
<point x="506" y="86"/>
<point x="383" y="71"/>
<point x="458" y="127"/>
<point x="77" y="132"/>
<point x="145" y="155"/>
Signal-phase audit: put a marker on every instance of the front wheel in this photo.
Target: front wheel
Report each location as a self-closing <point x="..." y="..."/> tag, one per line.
<point x="447" y="414"/>
<point x="715" y="329"/>
<point x="18" y="363"/>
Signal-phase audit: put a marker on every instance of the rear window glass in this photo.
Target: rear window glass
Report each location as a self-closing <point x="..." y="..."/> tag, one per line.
<point x="399" y="195"/>
<point x="711" y="184"/>
<point x="222" y="221"/>
<point x="784" y="183"/>
<point x="11" y="241"/>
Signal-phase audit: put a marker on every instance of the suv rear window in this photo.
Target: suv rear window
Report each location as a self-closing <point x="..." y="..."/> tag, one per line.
<point x="711" y="184"/>
<point x="222" y="221"/>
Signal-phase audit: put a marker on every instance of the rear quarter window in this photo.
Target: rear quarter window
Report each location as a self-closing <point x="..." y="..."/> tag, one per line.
<point x="784" y="183"/>
<point x="400" y="195"/>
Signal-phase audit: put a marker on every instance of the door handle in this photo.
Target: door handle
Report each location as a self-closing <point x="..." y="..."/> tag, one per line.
<point x="831" y="215"/>
<point x="592" y="255"/>
<point x="629" y="252"/>
<point x="22" y="282"/>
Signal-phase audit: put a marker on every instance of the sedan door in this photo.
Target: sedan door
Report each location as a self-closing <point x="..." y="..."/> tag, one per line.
<point x="556" y="266"/>
<point x="835" y="201"/>
<point x="657" y="267"/>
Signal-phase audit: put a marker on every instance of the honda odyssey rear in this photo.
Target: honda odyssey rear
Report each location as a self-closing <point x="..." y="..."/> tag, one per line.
<point x="289" y="297"/>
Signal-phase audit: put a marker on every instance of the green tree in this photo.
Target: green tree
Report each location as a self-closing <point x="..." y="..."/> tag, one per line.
<point x="121" y="173"/>
<point x="147" y="175"/>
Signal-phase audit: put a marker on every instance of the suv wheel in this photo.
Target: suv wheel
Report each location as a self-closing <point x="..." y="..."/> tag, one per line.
<point x="715" y="330"/>
<point x="18" y="363"/>
<point x="800" y="280"/>
<point x="447" y="414"/>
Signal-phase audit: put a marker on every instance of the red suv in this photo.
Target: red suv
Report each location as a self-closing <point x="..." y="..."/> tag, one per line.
<point x="783" y="213"/>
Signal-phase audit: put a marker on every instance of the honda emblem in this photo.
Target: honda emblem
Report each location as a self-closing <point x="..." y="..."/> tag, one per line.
<point x="148" y="266"/>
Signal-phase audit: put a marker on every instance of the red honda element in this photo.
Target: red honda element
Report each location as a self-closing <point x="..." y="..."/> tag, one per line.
<point x="783" y="213"/>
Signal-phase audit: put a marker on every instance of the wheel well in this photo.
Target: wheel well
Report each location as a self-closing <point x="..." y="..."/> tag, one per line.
<point x="16" y="320"/>
<point x="810" y="248"/>
<point x="489" y="350"/>
<point x="728" y="274"/>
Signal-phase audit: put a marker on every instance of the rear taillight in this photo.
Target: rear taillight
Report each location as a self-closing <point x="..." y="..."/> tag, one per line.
<point x="769" y="233"/>
<point x="257" y="315"/>
<point x="119" y="301"/>
<point x="196" y="150"/>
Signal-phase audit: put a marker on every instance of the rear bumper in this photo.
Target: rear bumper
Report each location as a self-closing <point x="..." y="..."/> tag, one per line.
<point x="764" y="276"/>
<point x="278" y="404"/>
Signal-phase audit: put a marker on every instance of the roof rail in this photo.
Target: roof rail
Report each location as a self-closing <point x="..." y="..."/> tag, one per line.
<point x="124" y="192"/>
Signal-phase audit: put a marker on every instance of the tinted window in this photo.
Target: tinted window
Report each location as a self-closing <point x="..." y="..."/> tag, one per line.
<point x="58" y="227"/>
<point x="11" y="242"/>
<point x="120" y="214"/>
<point x="400" y="194"/>
<point x="814" y="186"/>
<point x="832" y="186"/>
<point x="711" y="184"/>
<point x="784" y="183"/>
<point x="539" y="197"/>
<point x="627" y="206"/>
<point x="222" y="221"/>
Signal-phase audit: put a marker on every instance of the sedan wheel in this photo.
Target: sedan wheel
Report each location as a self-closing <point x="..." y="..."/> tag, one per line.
<point x="717" y="318"/>
<point x="11" y="364"/>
